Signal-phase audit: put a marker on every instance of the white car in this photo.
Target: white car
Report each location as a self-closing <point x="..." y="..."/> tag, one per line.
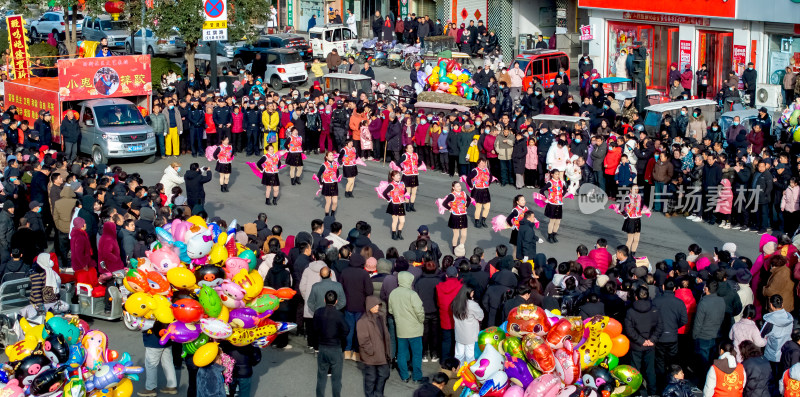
<point x="52" y="22"/>
<point x="325" y="38"/>
<point x="284" y="67"/>
<point x="173" y="44"/>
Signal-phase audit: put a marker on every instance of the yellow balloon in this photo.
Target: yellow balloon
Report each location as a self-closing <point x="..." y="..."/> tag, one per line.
<point x="246" y="336"/>
<point x="218" y="252"/>
<point x="557" y="312"/>
<point x="162" y="309"/>
<point x="452" y="89"/>
<point x="436" y="70"/>
<point x="196" y="220"/>
<point x="124" y="388"/>
<point x="206" y="354"/>
<point x="451" y="76"/>
<point x="140" y="304"/>
<point x="181" y="278"/>
<point x="33" y="331"/>
<point x="463" y="78"/>
<point x="252" y="283"/>
<point x="225" y="314"/>
<point x="21" y="349"/>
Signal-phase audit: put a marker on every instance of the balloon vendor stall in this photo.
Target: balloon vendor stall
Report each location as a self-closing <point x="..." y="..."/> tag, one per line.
<point x="537" y="353"/>
<point x="447" y="77"/>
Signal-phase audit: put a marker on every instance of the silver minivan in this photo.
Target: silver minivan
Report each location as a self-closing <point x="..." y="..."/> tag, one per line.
<point x="114" y="128"/>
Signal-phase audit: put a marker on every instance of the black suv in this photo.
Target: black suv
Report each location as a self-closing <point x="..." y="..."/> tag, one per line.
<point x="246" y="53"/>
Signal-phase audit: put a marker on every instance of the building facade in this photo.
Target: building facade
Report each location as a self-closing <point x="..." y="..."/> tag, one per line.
<point x="722" y="34"/>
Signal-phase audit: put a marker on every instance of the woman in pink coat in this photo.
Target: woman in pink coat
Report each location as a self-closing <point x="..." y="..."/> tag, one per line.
<point x="790" y="205"/>
<point x="724" y="203"/>
<point x="746" y="329"/>
<point x="531" y="164"/>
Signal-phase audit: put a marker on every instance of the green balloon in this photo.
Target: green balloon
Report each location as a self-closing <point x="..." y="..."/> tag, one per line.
<point x="628" y="378"/>
<point x="191" y="347"/>
<point x="608" y="362"/>
<point x="210" y="301"/>
<point x="513" y="346"/>
<point x="51" y="3"/>
<point x="490" y="336"/>
<point x="251" y="256"/>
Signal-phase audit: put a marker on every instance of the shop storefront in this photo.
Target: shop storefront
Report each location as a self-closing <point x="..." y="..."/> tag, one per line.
<point x="683" y="40"/>
<point x="783" y="50"/>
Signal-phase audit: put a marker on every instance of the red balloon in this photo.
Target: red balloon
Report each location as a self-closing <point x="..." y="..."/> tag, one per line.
<point x="114" y="7"/>
<point x="187" y="310"/>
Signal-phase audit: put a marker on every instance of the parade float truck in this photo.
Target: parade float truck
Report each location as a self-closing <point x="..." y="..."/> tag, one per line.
<point x="109" y="96"/>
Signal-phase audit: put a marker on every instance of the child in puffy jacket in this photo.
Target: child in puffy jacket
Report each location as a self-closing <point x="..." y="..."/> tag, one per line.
<point x="245" y="358"/>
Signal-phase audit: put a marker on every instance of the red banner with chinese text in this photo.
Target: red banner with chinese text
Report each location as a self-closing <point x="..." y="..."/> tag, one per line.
<point x="705" y="8"/>
<point x="18" y="45"/>
<point x="30" y="99"/>
<point x="109" y="77"/>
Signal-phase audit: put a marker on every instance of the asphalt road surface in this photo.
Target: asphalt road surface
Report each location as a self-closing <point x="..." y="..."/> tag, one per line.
<point x="293" y="372"/>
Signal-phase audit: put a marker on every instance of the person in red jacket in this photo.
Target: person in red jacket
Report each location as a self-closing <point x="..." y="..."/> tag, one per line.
<point x="80" y="246"/>
<point x="601" y="256"/>
<point x="755" y="138"/>
<point x="610" y="164"/>
<point x="446" y="291"/>
<point x="237" y="130"/>
<point x="108" y="250"/>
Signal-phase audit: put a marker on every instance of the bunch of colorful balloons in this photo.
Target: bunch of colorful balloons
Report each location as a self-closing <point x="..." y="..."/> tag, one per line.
<point x="790" y="119"/>
<point x="205" y="288"/>
<point x="448" y="77"/>
<point x="63" y="356"/>
<point x="537" y="353"/>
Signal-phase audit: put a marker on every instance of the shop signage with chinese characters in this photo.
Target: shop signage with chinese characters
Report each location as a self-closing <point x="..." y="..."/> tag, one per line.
<point x="587" y="32"/>
<point x="685" y="48"/>
<point x="704" y="8"/>
<point x="663" y="18"/>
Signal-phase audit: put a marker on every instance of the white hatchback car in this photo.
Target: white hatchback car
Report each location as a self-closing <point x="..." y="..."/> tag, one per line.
<point x="285" y="67"/>
<point x="327" y="37"/>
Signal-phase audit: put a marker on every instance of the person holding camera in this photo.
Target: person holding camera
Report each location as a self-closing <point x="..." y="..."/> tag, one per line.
<point x="195" y="178"/>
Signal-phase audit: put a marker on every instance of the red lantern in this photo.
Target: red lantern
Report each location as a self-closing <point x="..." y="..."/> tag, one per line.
<point x="114" y="8"/>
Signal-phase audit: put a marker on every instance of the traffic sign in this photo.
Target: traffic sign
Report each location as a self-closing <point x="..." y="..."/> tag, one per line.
<point x="215" y="27"/>
<point x="215" y="10"/>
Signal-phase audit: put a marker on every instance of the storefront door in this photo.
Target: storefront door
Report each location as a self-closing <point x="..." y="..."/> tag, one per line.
<point x="716" y="51"/>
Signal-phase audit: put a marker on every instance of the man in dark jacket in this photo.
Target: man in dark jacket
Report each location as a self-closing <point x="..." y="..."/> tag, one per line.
<point x="425" y="286"/>
<point x="197" y="122"/>
<point x="373" y="342"/>
<point x="706" y="324"/>
<point x="357" y="286"/>
<point x="195" y="178"/>
<point x="526" y="239"/>
<point x="643" y="326"/>
<point x="749" y="78"/>
<point x="332" y="332"/>
<point x="71" y="132"/>
<point x="377" y="25"/>
<point x="502" y="281"/>
<point x="673" y="315"/>
<point x="790" y="352"/>
<point x="762" y="188"/>
<point x="43" y="127"/>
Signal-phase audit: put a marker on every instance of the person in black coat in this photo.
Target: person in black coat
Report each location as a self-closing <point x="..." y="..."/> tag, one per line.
<point x="332" y="333"/>
<point x="526" y="237"/>
<point x="522" y="295"/>
<point x="790" y="352"/>
<point x="277" y="277"/>
<point x="503" y="281"/>
<point x="71" y="132"/>
<point x="195" y="179"/>
<point x="377" y="25"/>
<point x="757" y="369"/>
<point x="518" y="154"/>
<point x="643" y="326"/>
<point x="425" y="286"/>
<point x="673" y="315"/>
<point x="393" y="135"/>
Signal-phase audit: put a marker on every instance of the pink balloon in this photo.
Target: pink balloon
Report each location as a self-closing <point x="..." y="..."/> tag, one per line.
<point x="514" y="391"/>
<point x="547" y="385"/>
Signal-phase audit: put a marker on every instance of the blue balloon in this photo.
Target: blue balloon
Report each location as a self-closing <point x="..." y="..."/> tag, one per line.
<point x="504" y="326"/>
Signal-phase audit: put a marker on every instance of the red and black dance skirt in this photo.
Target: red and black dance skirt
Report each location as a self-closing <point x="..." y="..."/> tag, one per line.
<point x="330" y="189"/>
<point x="632" y="225"/>
<point x="481" y="196"/>
<point x="396" y="209"/>
<point x="411" y="180"/>
<point x="349" y="171"/>
<point x="294" y="159"/>
<point x="553" y="211"/>
<point x="270" y="179"/>
<point x="457" y="221"/>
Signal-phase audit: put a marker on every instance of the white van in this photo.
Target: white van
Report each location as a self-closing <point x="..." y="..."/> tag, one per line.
<point x="327" y="37"/>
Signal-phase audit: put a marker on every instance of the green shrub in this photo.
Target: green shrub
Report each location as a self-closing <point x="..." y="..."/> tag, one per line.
<point x="159" y="66"/>
<point x="3" y="40"/>
<point x="43" y="49"/>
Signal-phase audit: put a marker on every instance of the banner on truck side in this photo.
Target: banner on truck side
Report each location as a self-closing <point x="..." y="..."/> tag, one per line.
<point x="110" y="77"/>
